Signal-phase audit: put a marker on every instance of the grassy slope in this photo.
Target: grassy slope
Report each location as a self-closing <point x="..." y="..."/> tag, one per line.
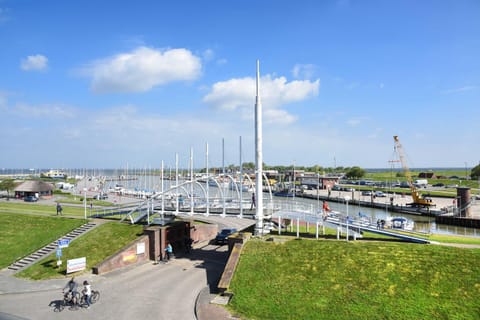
<point x="22" y="234"/>
<point x="96" y="245"/>
<point x="304" y="279"/>
<point x="39" y="209"/>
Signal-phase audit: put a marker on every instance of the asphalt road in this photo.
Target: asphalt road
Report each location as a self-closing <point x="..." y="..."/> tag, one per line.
<point x="148" y="291"/>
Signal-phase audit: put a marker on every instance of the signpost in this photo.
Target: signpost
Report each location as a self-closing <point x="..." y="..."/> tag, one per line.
<point x="59" y="255"/>
<point x="63" y="243"/>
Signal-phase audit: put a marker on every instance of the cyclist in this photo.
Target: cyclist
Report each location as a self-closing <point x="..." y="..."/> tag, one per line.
<point x="72" y="287"/>
<point x="87" y="291"/>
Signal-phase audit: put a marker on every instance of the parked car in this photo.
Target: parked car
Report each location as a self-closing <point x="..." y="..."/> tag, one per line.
<point x="438" y="185"/>
<point x="222" y="236"/>
<point x="30" y="199"/>
<point x="272" y="225"/>
<point x="380" y="194"/>
<point x="100" y="196"/>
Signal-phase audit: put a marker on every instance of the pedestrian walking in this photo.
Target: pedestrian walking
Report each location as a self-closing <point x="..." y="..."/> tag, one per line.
<point x="59" y="209"/>
<point x="168" y="251"/>
<point x="253" y="204"/>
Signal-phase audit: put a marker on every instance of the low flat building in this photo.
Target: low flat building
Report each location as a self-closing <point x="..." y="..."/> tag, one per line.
<point x="39" y="189"/>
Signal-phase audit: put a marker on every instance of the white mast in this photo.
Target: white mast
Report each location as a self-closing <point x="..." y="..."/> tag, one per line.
<point x="162" y="190"/>
<point x="258" y="158"/>
<point x="191" y="181"/>
<point x="241" y="180"/>
<point x="176" y="184"/>
<point x="223" y="178"/>
<point x="208" y="180"/>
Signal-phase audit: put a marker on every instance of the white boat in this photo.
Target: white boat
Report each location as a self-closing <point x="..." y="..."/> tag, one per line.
<point x="54" y="174"/>
<point x="400" y="223"/>
<point x="241" y="187"/>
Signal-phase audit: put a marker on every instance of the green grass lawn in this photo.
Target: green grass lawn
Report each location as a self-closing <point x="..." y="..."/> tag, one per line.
<point x="95" y="245"/>
<point x="332" y="234"/>
<point x="40" y="209"/>
<point x="21" y="234"/>
<point x="305" y="279"/>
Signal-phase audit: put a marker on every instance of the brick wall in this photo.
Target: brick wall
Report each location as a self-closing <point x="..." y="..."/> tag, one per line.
<point x="136" y="252"/>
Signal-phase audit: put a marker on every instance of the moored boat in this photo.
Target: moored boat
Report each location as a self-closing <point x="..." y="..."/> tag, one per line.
<point x="400" y="223"/>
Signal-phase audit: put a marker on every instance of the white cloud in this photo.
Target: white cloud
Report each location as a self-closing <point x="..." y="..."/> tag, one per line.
<point x="304" y="71"/>
<point x="142" y="69"/>
<point x="208" y="55"/>
<point x="222" y="61"/>
<point x="3" y="100"/>
<point x="50" y="111"/>
<point x="4" y="14"/>
<point x="353" y="122"/>
<point x="238" y="94"/>
<point x="36" y="62"/>
<point x="278" y="116"/>
<point x="461" y="89"/>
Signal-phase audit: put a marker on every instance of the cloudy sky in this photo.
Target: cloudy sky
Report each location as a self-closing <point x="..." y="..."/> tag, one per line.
<point x="103" y="84"/>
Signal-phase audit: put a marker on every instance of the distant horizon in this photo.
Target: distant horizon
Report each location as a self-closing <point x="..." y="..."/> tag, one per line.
<point x="41" y="170"/>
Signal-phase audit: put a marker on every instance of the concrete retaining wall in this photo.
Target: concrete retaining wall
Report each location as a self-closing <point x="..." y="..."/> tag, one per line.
<point x="152" y="245"/>
<point x="456" y="221"/>
<point x="203" y="232"/>
<point x="135" y="252"/>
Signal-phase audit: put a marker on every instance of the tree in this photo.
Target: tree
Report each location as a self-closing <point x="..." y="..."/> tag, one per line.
<point x="355" y="173"/>
<point x="475" y="173"/>
<point x="7" y="185"/>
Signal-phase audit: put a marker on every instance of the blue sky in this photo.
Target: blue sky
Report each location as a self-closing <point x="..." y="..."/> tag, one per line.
<point x="103" y="84"/>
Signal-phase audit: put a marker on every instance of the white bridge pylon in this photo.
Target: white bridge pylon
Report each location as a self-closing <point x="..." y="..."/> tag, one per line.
<point x="180" y="198"/>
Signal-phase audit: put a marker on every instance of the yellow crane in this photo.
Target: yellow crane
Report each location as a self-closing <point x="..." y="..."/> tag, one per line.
<point x="418" y="199"/>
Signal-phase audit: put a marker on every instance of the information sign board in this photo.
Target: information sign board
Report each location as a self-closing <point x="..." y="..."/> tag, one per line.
<point x="75" y="265"/>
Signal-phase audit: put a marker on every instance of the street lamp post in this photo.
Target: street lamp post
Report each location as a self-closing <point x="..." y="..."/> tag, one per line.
<point x="347" y="198"/>
<point x="85" y="201"/>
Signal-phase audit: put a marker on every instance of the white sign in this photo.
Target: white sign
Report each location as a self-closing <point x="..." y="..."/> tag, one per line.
<point x="75" y="265"/>
<point x="141" y="248"/>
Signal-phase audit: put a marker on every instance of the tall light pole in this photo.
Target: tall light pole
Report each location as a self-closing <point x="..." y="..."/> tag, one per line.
<point x="258" y="157"/>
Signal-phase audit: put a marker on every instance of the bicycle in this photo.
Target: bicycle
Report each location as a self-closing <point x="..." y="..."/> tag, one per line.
<point x="68" y="300"/>
<point x="93" y="299"/>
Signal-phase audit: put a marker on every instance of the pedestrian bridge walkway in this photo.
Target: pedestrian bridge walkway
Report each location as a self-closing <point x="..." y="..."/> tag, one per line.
<point x="298" y="213"/>
<point x="345" y="225"/>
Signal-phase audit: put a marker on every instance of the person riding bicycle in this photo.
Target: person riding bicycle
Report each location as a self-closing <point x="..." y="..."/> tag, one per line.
<point x="87" y="291"/>
<point x="72" y="287"/>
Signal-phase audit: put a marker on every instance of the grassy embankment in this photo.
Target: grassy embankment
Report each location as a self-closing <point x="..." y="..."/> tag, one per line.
<point x="332" y="234"/>
<point x="40" y="209"/>
<point x="305" y="279"/>
<point x="22" y="234"/>
<point x="67" y="197"/>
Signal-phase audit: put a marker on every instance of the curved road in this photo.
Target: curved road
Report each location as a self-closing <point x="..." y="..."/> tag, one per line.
<point x="147" y="291"/>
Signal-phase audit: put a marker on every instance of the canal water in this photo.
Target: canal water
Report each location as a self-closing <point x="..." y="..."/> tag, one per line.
<point x="422" y="224"/>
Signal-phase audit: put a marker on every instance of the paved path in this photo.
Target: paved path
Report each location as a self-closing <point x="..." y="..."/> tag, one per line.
<point x="148" y="291"/>
<point x="180" y="289"/>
